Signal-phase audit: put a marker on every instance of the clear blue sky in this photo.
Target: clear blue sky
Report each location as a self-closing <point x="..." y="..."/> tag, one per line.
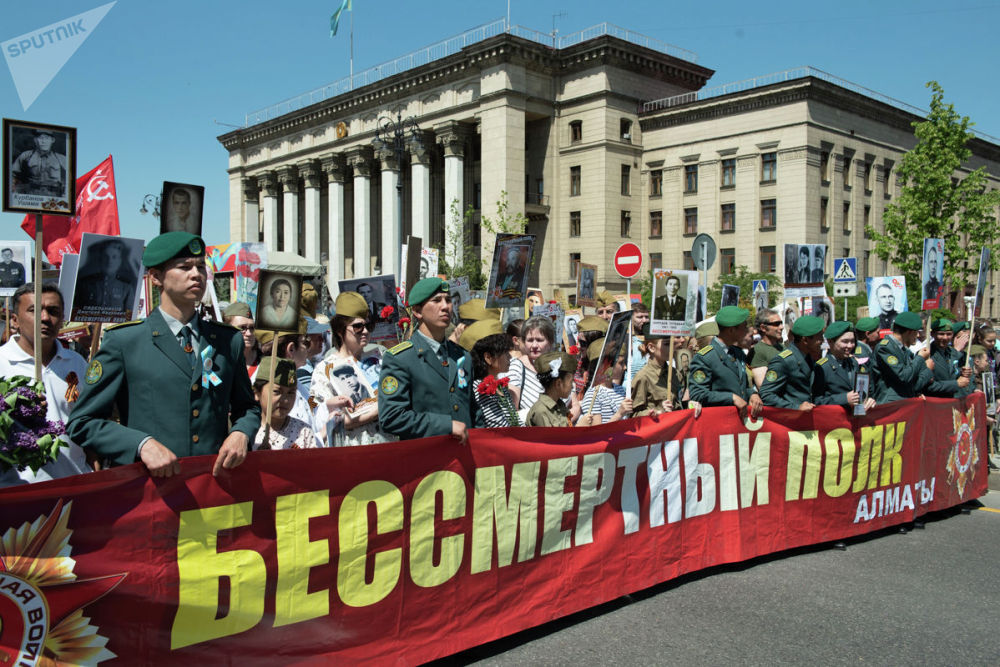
<point x="151" y="81"/>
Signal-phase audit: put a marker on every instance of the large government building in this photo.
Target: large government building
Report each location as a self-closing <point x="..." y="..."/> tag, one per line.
<point x="598" y="138"/>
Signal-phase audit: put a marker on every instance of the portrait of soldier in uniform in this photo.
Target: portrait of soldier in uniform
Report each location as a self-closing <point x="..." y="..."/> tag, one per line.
<point x="12" y="273"/>
<point x="41" y="170"/>
<point x="932" y="273"/>
<point x="351" y="384"/>
<point x="106" y="281"/>
<point x="181" y="208"/>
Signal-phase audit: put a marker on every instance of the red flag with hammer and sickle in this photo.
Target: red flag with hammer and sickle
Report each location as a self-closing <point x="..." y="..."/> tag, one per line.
<point x="96" y="211"/>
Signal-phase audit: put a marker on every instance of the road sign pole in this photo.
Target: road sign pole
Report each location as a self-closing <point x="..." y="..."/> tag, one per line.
<point x="704" y="263"/>
<point x="845" y="309"/>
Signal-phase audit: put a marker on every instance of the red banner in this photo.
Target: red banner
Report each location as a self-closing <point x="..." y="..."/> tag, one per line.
<point x="411" y="551"/>
<point x="96" y="212"/>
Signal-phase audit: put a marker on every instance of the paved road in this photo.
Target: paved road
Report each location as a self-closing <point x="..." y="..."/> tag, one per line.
<point x="929" y="596"/>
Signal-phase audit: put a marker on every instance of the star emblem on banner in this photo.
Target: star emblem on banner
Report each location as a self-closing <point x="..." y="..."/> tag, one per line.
<point x="964" y="455"/>
<point x="42" y="600"/>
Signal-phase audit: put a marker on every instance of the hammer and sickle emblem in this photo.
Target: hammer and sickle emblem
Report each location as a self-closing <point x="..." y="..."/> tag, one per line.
<point x="97" y="188"/>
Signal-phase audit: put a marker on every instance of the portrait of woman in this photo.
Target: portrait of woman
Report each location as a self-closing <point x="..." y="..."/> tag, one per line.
<point x="278" y="301"/>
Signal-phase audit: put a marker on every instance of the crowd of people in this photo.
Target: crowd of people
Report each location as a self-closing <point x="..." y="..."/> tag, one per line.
<point x="177" y="384"/>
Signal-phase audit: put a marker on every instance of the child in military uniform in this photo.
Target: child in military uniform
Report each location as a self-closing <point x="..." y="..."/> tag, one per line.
<point x="649" y="386"/>
<point x="555" y="373"/>
<point x="279" y="430"/>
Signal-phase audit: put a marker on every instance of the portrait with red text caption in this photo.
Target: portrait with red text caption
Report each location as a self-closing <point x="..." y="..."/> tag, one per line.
<point x="39" y="168"/>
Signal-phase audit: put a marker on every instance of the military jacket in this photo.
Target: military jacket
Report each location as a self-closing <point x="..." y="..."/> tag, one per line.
<point x="791" y="380"/>
<point x="548" y="412"/>
<point x="142" y="371"/>
<point x="901" y="374"/>
<point x="838" y="378"/>
<point x="649" y="389"/>
<point x="12" y="275"/>
<point x="716" y="375"/>
<point x="420" y="394"/>
<point x="947" y="370"/>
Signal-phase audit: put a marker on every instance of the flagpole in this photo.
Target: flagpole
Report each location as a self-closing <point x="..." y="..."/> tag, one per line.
<point x="38" y="298"/>
<point x="352" y="48"/>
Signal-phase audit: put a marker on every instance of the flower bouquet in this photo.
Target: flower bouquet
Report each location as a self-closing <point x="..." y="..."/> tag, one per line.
<point x="27" y="439"/>
<point x="492" y="386"/>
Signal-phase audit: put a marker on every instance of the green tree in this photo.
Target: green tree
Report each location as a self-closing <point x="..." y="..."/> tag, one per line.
<point x="936" y="201"/>
<point x="458" y="243"/>
<point x="743" y="278"/>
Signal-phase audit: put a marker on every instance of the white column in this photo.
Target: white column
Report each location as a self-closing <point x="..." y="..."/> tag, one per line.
<point x="360" y="161"/>
<point x="314" y="180"/>
<point x="335" y="170"/>
<point x="269" y="184"/>
<point x="420" y="177"/>
<point x="453" y="137"/>
<point x="391" y="221"/>
<point x="289" y="177"/>
<point x="251" y="210"/>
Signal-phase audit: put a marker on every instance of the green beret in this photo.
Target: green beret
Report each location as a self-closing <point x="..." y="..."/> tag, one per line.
<point x="709" y="328"/>
<point x="237" y="309"/>
<point x="646" y="336"/>
<point x="958" y="326"/>
<point x="166" y="247"/>
<point x="425" y="289"/>
<point x="909" y="321"/>
<point x="731" y="316"/>
<point x="836" y="330"/>
<point x="475" y="309"/>
<point x="284" y="371"/>
<point x="867" y="324"/>
<point x="594" y="349"/>
<point x="605" y="298"/>
<point x="479" y="330"/>
<point x="567" y="364"/>
<point x="351" y="304"/>
<point x="592" y="323"/>
<point x="808" y="325"/>
<point x="976" y="350"/>
<point x="941" y="324"/>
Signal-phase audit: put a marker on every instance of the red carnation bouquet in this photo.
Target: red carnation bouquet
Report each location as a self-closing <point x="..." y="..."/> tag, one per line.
<point x="493" y="386"/>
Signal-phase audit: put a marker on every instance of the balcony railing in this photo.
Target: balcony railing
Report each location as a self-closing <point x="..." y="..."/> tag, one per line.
<point x="536" y="198"/>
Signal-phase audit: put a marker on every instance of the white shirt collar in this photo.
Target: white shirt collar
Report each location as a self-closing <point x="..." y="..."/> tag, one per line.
<point x="176" y="325"/>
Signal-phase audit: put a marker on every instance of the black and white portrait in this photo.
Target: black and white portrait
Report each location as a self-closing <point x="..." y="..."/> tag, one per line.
<point x="345" y="379"/>
<point x="181" y="208"/>
<point x="107" y="279"/>
<point x="760" y="300"/>
<point x="861" y="386"/>
<point x="509" y="274"/>
<point x="554" y="312"/>
<point x="730" y="296"/>
<point x="428" y="263"/>
<point x="932" y="274"/>
<point x="278" y="301"/>
<point x="616" y="343"/>
<point x="378" y="292"/>
<point x="460" y="293"/>
<point x="39" y="166"/>
<point x="989" y="388"/>
<point x="675" y="297"/>
<point x="15" y="265"/>
<point x="823" y="308"/>
<point x="886" y="299"/>
<point x="571" y="327"/>
<point x="804" y="264"/>
<point x="586" y="281"/>
<point x="223" y="284"/>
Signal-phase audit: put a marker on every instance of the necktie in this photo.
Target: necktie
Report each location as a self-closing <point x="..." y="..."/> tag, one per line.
<point x="442" y="355"/>
<point x="186" y="344"/>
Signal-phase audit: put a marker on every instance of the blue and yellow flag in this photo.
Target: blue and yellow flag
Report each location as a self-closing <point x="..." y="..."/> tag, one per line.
<point x="335" y="19"/>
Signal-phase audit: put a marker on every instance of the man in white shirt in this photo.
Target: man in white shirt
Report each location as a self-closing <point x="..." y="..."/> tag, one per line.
<point x="62" y="371"/>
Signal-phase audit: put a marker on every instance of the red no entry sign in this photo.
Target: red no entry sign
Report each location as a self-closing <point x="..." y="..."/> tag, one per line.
<point x="628" y="260"/>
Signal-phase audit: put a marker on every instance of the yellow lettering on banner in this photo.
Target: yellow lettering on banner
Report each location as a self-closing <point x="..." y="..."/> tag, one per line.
<point x="353" y="529"/>
<point x="871" y="438"/>
<point x="838" y="463"/>
<point x="876" y="458"/>
<point x="557" y="503"/>
<point x="199" y="569"/>
<point x="597" y="480"/>
<point x="755" y="466"/>
<point x="297" y="554"/>
<point x="803" y="445"/>
<point x="451" y="486"/>
<point x="892" y="459"/>
<point x="515" y="518"/>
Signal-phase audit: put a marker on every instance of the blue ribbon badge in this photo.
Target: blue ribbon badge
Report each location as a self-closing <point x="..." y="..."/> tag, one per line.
<point x="463" y="380"/>
<point x="207" y="374"/>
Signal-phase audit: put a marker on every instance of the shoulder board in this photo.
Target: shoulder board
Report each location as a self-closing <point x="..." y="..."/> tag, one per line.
<point x="784" y="354"/>
<point x="885" y="341"/>
<point x="822" y="361"/>
<point x="122" y="325"/>
<point x="705" y="350"/>
<point x="405" y="345"/>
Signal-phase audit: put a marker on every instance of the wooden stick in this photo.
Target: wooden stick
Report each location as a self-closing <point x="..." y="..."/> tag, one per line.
<point x="38" y="297"/>
<point x="95" y="340"/>
<point x="670" y="372"/>
<point x="270" y="394"/>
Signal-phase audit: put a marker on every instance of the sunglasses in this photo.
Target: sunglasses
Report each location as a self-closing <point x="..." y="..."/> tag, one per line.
<point x="776" y="323"/>
<point x="359" y="327"/>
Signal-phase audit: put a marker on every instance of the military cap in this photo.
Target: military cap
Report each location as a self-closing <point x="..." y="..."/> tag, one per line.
<point x="594" y="349"/>
<point x="808" y="325"/>
<point x="941" y="324"/>
<point x="309" y="300"/>
<point x="563" y="363"/>
<point x="237" y="309"/>
<point x="284" y="371"/>
<point x="707" y="328"/>
<point x="425" y="289"/>
<point x="166" y="247"/>
<point x="837" y="329"/>
<point x="45" y="131"/>
<point x="479" y="330"/>
<point x="605" y="298"/>
<point x="263" y="337"/>
<point x="731" y="316"/>
<point x="909" y="321"/>
<point x="475" y="309"/>
<point x="976" y="350"/>
<point x="592" y="323"/>
<point x="647" y="336"/>
<point x="958" y="326"/>
<point x="351" y="304"/>
<point x="866" y="324"/>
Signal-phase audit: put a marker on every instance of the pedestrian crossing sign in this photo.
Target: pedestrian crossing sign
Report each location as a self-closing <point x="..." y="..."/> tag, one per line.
<point x="845" y="270"/>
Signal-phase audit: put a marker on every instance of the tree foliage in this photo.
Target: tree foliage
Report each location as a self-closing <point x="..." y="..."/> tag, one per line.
<point x="937" y="201"/>
<point x="458" y="241"/>
<point x="743" y="278"/>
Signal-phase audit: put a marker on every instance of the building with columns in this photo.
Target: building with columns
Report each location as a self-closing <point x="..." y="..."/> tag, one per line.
<point x="597" y="138"/>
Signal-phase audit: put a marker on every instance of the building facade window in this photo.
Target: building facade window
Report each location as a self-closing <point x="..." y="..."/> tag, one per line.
<point x="869" y="170"/>
<point x="768" y="259"/>
<point x="824" y="213"/>
<point x="768" y="167"/>
<point x="727" y="256"/>
<point x="574" y="223"/>
<point x="574" y="264"/>
<point x="847" y="217"/>
<point x="656" y="224"/>
<point x="626" y="224"/>
<point x="576" y="131"/>
<point x="626" y="180"/>
<point x="656" y="260"/>
<point x="768" y="213"/>
<point x="656" y="183"/>
<point x="868" y="217"/>
<point x="691" y="178"/>
<point x="690" y="221"/>
<point x="727" y="218"/>
<point x="729" y="173"/>
<point x="848" y="165"/>
<point x="688" y="261"/>
<point x="824" y="166"/>
<point x="574" y="181"/>
<point x="626" y="130"/>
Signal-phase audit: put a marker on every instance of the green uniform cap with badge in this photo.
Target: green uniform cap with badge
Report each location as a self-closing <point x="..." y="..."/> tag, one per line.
<point x="592" y="323"/>
<point x="941" y="324"/>
<point x="475" y="309"/>
<point x="837" y="329"/>
<point x="560" y="362"/>
<point x="959" y="326"/>
<point x="171" y="245"/>
<point x="908" y="320"/>
<point x="808" y="325"/>
<point x="351" y="304"/>
<point x="237" y="309"/>
<point x="477" y="331"/>
<point x="425" y="289"/>
<point x="284" y="371"/>
<point x="731" y="316"/>
<point x="867" y="324"/>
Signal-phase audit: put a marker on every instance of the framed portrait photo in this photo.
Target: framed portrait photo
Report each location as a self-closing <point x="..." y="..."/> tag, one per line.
<point x="108" y="279"/>
<point x="15" y="265"/>
<point x="278" y="301"/>
<point x="586" y="285"/>
<point x="181" y="207"/>
<point x="508" y="282"/>
<point x="39" y="168"/>
<point x="675" y="302"/>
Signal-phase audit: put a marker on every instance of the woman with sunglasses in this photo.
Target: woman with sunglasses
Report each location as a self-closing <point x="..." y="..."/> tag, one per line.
<point x="352" y="423"/>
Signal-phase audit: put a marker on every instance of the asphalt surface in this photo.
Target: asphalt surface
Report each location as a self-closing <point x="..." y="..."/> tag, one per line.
<point x="930" y="597"/>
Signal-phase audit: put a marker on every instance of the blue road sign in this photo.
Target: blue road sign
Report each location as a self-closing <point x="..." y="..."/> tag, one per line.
<point x="845" y="270"/>
<point x="759" y="286"/>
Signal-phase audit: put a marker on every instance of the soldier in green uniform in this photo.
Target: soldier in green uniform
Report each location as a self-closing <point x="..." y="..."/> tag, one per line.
<point x="791" y="379"/>
<point x="951" y="378"/>
<point x="867" y="338"/>
<point x="719" y="373"/>
<point x="901" y="373"/>
<point x="178" y="382"/>
<point x="425" y="385"/>
<point x="839" y="369"/>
